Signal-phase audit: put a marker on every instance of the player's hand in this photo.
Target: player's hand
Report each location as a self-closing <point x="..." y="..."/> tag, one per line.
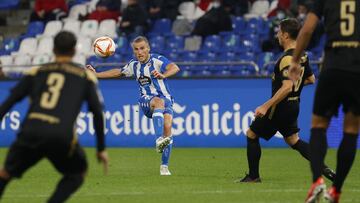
<point x="294" y="71"/>
<point x="261" y="111"/>
<point x="90" y="67"/>
<point x="103" y="157"/>
<point x="157" y="74"/>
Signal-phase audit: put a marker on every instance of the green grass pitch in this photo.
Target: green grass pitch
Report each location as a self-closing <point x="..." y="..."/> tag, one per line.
<point x="199" y="175"/>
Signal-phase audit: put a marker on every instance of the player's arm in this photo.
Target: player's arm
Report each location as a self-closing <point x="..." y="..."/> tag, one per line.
<point x="95" y="104"/>
<point x="286" y="89"/>
<point x="112" y="73"/>
<point x="302" y="42"/>
<point x="308" y="73"/>
<point x="170" y="70"/>
<point x="17" y="93"/>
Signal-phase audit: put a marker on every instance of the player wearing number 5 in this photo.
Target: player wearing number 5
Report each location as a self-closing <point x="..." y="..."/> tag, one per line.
<point x="338" y="84"/>
<point x="281" y="111"/>
<point x="56" y="91"/>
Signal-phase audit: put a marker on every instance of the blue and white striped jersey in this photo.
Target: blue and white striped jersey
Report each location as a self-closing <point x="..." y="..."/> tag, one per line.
<point x="149" y="85"/>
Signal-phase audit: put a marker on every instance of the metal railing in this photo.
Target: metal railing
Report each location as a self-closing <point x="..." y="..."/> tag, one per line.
<point x="205" y="63"/>
<point x="17" y="70"/>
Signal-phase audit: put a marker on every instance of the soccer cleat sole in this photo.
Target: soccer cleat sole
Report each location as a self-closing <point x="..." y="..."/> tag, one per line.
<point x="316" y="195"/>
<point x="160" y="148"/>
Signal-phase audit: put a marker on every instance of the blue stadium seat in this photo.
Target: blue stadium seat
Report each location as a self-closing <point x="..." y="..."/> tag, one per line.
<point x="228" y="56"/>
<point x="174" y="56"/>
<point x="247" y="46"/>
<point x="264" y="28"/>
<point x="10" y="45"/>
<point x="175" y="43"/>
<point x="185" y="71"/>
<point x="189" y="56"/>
<point x="219" y="70"/>
<point x="35" y="28"/>
<point x="231" y="42"/>
<point x="318" y="49"/>
<point x="157" y="44"/>
<point x="200" y="71"/>
<point x="264" y="59"/>
<point x="255" y="40"/>
<point x="247" y="56"/>
<point x="208" y="56"/>
<point x="212" y="43"/>
<point x="269" y="69"/>
<point x="122" y="45"/>
<point x="314" y="58"/>
<point x="116" y="58"/>
<point x="238" y="24"/>
<point x="126" y="57"/>
<point x="162" y="26"/>
<point x="224" y="34"/>
<point x="253" y="25"/>
<point x="92" y="60"/>
<point x="9" y="4"/>
<point x="3" y="52"/>
<point x="242" y="70"/>
<point x="252" y="37"/>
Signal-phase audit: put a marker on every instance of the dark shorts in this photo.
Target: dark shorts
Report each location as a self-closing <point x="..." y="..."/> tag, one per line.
<point x="283" y="120"/>
<point x="66" y="157"/>
<point x="337" y="88"/>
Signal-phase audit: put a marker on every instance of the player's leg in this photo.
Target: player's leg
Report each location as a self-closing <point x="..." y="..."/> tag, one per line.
<point x="68" y="184"/>
<point x="71" y="162"/>
<point x="4" y="180"/>
<point x="164" y="169"/>
<point x="260" y="127"/>
<point x="326" y="104"/>
<point x="318" y="144"/>
<point x="153" y="107"/>
<point x="303" y="148"/>
<point x="253" y="153"/>
<point x="157" y="106"/>
<point x="19" y="158"/>
<point x="346" y="154"/>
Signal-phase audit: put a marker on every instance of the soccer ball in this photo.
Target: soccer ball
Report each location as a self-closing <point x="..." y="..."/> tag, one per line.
<point x="104" y="47"/>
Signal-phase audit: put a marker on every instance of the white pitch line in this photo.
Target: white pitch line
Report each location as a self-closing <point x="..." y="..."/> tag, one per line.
<point x="157" y="193"/>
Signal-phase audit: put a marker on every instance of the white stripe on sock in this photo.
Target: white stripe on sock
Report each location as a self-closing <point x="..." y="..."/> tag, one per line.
<point x="158" y="114"/>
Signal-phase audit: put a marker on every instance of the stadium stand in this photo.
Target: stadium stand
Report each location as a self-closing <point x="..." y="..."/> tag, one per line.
<point x="237" y="52"/>
<point x="52" y="28"/>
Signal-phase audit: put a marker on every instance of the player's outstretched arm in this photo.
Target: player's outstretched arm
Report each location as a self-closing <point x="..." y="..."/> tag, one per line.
<point x="285" y="89"/>
<point x="171" y="70"/>
<point x="113" y="73"/>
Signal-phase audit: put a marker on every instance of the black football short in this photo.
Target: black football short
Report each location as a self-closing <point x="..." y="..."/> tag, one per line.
<point x="335" y="88"/>
<point x="283" y="119"/>
<point x="66" y="157"/>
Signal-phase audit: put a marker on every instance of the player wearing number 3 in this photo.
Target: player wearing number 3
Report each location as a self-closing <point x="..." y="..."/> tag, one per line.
<point x="280" y="113"/>
<point x="56" y="92"/>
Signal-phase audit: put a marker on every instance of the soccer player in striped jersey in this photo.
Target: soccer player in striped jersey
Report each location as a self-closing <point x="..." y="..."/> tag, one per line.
<point x="151" y="71"/>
